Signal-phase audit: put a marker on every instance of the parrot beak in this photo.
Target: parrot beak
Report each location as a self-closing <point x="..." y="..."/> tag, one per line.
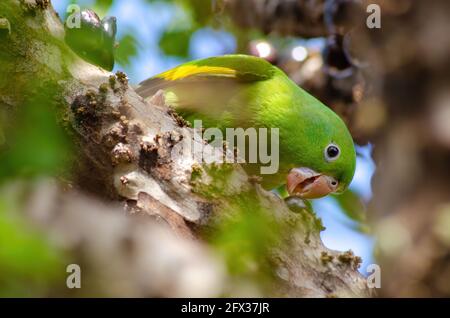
<point x="308" y="184"/>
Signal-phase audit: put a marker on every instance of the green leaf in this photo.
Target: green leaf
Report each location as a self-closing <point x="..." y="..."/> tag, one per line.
<point x="128" y="48"/>
<point x="101" y="7"/>
<point x="35" y="143"/>
<point x="352" y="205"/>
<point x="176" y="42"/>
<point x="29" y="264"/>
<point x="245" y="238"/>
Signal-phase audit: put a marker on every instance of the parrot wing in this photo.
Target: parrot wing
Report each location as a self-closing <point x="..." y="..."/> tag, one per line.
<point x="219" y="90"/>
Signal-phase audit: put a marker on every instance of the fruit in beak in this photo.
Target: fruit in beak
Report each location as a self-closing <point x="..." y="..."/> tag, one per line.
<point x="308" y="184"/>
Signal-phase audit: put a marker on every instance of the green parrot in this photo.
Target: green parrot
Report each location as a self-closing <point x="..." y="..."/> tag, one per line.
<point x="316" y="150"/>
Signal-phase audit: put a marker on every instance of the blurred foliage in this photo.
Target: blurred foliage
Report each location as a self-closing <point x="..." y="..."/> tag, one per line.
<point x="245" y="240"/>
<point x="127" y="48"/>
<point x="354" y="208"/>
<point x="101" y="7"/>
<point x="176" y="42"/>
<point x="36" y="145"/>
<point x="352" y="205"/>
<point x="192" y="15"/>
<point x="29" y="264"/>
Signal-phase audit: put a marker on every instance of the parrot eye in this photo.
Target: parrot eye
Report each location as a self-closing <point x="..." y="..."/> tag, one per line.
<point x="332" y="152"/>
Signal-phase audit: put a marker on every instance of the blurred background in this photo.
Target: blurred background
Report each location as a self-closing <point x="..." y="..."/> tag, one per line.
<point x="390" y="85"/>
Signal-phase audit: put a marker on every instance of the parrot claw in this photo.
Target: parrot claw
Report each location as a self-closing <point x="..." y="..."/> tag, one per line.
<point x="298" y="205"/>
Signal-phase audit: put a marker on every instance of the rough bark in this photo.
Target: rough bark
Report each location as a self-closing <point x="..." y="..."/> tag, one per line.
<point x="125" y="155"/>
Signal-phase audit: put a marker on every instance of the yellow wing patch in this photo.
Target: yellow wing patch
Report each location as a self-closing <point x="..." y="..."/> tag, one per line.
<point x="189" y="70"/>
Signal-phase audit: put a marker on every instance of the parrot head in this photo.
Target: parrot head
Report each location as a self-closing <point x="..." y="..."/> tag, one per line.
<point x="324" y="152"/>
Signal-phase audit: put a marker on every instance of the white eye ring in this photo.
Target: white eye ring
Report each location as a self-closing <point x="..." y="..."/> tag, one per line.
<point x="331" y="152"/>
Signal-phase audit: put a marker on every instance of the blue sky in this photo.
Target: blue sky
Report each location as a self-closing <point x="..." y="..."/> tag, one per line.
<point x="147" y="21"/>
<point x="339" y="233"/>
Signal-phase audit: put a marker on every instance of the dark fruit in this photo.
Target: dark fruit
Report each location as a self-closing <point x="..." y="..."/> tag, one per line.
<point x="93" y="39"/>
<point x="336" y="61"/>
<point x="341" y="16"/>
